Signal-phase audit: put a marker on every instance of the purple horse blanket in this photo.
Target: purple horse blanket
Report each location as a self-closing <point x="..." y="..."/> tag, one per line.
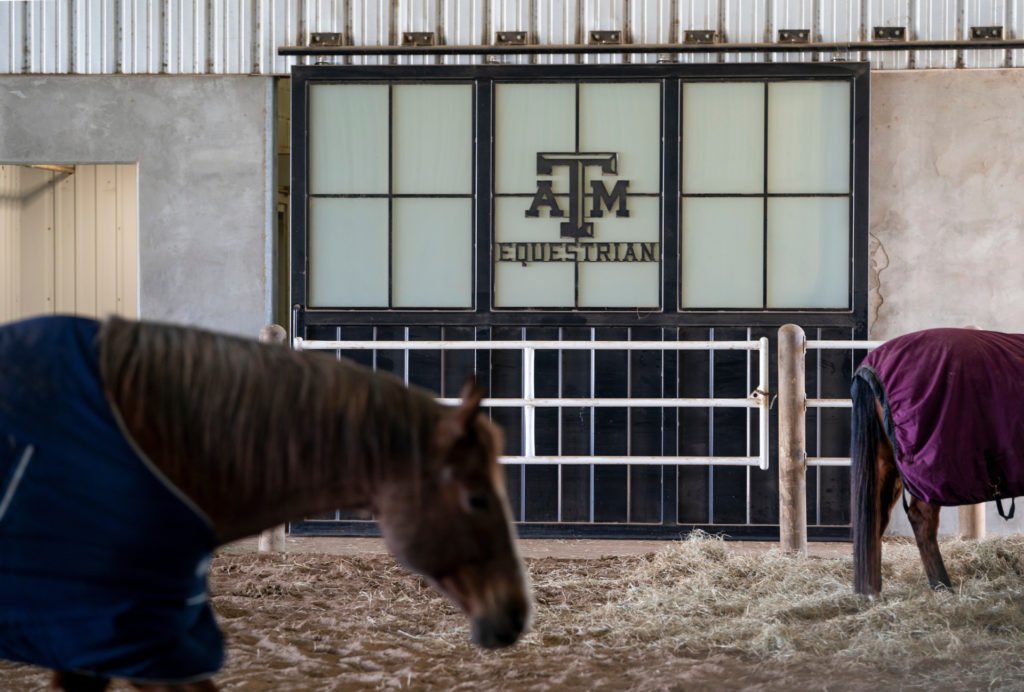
<point x="953" y="401"/>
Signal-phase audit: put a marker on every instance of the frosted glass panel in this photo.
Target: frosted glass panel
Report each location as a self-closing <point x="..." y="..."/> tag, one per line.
<point x="642" y="224"/>
<point x="624" y="119"/>
<point x="512" y="225"/>
<point x="530" y="118"/>
<point x="620" y="285"/>
<point x="809" y="137"/>
<point x="348" y="139"/>
<point x="432" y="139"/>
<point x="808" y="253"/>
<point x="535" y="285"/>
<point x="722" y="253"/>
<point x="433" y="253"/>
<point x="723" y="138"/>
<point x="348" y="252"/>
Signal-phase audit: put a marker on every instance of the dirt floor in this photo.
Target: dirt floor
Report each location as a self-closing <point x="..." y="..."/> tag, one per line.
<point x="338" y="614"/>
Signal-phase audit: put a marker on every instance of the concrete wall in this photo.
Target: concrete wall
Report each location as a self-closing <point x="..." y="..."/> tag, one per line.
<point x="947" y="212"/>
<point x="204" y="179"/>
<point x="947" y="200"/>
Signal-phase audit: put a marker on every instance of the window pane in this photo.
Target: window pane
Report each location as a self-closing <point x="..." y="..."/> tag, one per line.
<point x="625" y="119"/>
<point x="620" y="285"/>
<point x="348" y="139"/>
<point x="534" y="285"/>
<point x="348" y="253"/>
<point x="529" y="119"/>
<point x="624" y="258"/>
<point x="722" y="252"/>
<point x="520" y="284"/>
<point x="433" y="253"/>
<point x="809" y="137"/>
<point x="723" y="138"/>
<point x="433" y="134"/>
<point x="808" y="253"/>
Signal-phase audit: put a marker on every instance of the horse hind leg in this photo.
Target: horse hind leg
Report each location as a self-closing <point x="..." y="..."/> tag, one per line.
<point x="924" y="518"/>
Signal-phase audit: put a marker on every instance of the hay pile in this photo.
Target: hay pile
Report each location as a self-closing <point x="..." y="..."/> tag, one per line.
<point x="695" y="614"/>
<point x="698" y="596"/>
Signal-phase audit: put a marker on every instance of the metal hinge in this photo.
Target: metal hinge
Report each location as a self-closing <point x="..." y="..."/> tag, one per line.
<point x="511" y="38"/>
<point x="986" y="33"/>
<point x="327" y="38"/>
<point x="418" y="38"/>
<point x="606" y="38"/>
<point x="794" y="35"/>
<point x="889" y="33"/>
<point x="700" y="36"/>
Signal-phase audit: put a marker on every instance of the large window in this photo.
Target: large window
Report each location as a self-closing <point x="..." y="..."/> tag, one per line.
<point x="391" y="195"/>
<point x="766" y="186"/>
<point x="577" y="186"/>
<point x="679" y="193"/>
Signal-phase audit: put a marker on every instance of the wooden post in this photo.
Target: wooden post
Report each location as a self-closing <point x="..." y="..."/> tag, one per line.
<point x="972" y="521"/>
<point x="792" y="440"/>
<point x="272" y="540"/>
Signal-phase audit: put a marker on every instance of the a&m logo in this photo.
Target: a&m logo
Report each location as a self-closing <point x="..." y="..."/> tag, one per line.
<point x="589" y="198"/>
<point x="577" y="165"/>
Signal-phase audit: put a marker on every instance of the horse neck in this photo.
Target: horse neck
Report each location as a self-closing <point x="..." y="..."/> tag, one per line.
<point x="256" y="436"/>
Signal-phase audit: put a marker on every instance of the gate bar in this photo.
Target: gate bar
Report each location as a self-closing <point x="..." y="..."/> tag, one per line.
<point x="759" y="398"/>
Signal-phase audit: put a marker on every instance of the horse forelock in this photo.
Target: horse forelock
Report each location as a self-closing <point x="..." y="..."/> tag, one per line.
<point x="231" y="420"/>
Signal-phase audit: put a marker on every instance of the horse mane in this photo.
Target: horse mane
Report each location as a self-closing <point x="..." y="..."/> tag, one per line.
<point x="232" y="422"/>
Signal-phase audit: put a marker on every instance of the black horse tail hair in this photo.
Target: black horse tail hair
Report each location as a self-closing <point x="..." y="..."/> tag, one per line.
<point x="865" y="436"/>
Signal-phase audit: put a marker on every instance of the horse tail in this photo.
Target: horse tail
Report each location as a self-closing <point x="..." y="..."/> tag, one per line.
<point x="866" y="434"/>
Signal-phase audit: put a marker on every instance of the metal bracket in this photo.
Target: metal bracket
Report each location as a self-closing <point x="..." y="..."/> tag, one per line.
<point x="889" y="33"/>
<point x="418" y="38"/>
<point x="794" y="35"/>
<point x="700" y="36"/>
<point x="511" y="38"/>
<point x="986" y="33"/>
<point x="333" y="39"/>
<point x="606" y="38"/>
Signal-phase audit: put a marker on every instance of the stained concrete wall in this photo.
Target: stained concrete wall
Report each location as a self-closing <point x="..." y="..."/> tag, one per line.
<point x="947" y="211"/>
<point x="947" y="200"/>
<point x="204" y="180"/>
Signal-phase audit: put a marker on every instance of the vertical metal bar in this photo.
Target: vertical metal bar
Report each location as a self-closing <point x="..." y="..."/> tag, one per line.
<point x="711" y="429"/>
<point x="817" y="432"/>
<point x="746" y="435"/>
<point x="629" y="426"/>
<point x="559" y="425"/>
<point x="593" y="445"/>
<point x="792" y="440"/>
<point x="529" y="409"/>
<point x="405" y="359"/>
<point x="762" y="386"/>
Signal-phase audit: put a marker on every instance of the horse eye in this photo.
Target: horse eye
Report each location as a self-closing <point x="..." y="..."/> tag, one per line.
<point x="478" y="502"/>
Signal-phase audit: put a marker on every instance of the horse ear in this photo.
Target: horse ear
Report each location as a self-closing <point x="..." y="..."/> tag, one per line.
<point x="457" y="421"/>
<point x="472" y="394"/>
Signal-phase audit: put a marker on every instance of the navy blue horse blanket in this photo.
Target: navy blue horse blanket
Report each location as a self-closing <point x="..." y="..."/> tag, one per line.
<point x="103" y="563"/>
<point x="953" y="401"/>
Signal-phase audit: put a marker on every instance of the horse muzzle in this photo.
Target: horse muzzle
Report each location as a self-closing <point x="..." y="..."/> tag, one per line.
<point x="499" y="630"/>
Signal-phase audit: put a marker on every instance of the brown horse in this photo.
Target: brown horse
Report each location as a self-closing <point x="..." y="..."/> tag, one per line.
<point x="937" y="414"/>
<point x="220" y="438"/>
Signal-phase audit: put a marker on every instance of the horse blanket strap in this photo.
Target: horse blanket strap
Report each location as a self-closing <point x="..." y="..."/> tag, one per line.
<point x="1013" y="508"/>
<point x="952" y="400"/>
<point x="102" y="567"/>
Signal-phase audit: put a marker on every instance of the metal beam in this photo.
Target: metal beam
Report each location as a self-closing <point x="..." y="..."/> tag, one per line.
<point x="655" y="48"/>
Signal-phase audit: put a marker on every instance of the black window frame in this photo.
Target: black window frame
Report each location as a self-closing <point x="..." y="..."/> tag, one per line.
<point x="672" y="76"/>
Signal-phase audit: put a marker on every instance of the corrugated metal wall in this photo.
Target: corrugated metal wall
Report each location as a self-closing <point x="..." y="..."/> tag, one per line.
<point x="242" y="36"/>
<point x="69" y="243"/>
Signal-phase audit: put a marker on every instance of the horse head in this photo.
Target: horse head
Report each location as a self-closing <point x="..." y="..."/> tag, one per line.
<point x="454" y="526"/>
